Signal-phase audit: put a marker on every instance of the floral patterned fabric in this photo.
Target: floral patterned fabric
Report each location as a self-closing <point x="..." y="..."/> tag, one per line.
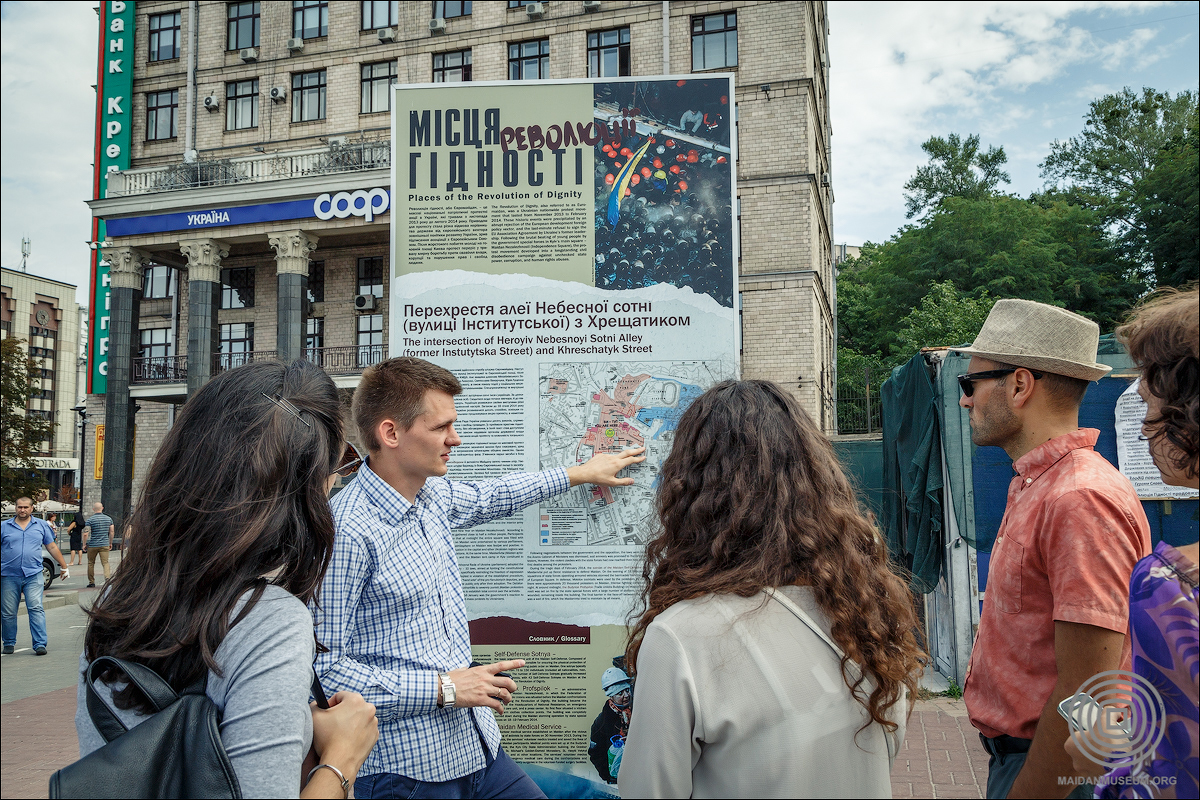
<point x="1163" y="627"/>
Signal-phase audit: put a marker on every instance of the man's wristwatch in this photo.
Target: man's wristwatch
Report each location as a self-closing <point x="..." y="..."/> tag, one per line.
<point x="447" y="700"/>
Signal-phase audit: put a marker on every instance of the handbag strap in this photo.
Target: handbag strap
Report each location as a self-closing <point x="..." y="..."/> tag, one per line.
<point x="893" y="746"/>
<point x="157" y="690"/>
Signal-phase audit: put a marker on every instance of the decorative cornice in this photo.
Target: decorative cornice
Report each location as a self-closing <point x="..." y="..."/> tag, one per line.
<point x="291" y="251"/>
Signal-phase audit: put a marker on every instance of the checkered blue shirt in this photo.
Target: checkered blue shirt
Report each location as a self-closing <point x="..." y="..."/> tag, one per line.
<point x="393" y="616"/>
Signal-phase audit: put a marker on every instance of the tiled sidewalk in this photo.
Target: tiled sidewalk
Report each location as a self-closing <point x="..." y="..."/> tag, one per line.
<point x="942" y="756"/>
<point x="39" y="738"/>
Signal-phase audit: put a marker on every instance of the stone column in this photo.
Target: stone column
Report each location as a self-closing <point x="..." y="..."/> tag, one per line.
<point x="291" y="267"/>
<point x="204" y="299"/>
<point x="126" y="266"/>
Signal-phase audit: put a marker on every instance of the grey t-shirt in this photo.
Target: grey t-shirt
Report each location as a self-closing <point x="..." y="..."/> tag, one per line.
<point x="99" y="525"/>
<point x="266" y="725"/>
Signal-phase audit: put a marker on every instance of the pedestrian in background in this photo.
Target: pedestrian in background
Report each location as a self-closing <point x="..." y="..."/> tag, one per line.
<point x="776" y="648"/>
<point x="101" y="532"/>
<point x="21" y="541"/>
<point x="1163" y="338"/>
<point x="1056" y="607"/>
<point x="75" y="533"/>
<point x="234" y="536"/>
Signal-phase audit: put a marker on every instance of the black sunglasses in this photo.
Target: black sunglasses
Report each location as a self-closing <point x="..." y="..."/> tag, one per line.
<point x="967" y="382"/>
<point x="351" y="461"/>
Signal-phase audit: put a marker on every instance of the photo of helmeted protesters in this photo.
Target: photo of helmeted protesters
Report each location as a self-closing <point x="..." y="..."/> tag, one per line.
<point x="612" y="724"/>
<point x="663" y="211"/>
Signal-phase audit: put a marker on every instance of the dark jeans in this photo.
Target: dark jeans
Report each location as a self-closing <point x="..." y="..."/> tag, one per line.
<point x="501" y="778"/>
<point x="1007" y="757"/>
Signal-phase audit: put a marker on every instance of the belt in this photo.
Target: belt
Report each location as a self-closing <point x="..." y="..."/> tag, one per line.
<point x="1004" y="745"/>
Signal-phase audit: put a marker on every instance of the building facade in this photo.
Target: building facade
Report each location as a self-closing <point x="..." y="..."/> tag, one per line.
<point x="43" y="313"/>
<point x="242" y="114"/>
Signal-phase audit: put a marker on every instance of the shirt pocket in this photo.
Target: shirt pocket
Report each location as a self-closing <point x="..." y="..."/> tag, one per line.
<point x="1009" y="581"/>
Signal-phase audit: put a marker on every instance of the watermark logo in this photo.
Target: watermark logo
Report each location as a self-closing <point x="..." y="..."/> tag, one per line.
<point x="1117" y="718"/>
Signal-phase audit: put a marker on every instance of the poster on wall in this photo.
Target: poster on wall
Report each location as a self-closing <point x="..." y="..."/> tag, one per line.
<point x="568" y="250"/>
<point x="1133" y="451"/>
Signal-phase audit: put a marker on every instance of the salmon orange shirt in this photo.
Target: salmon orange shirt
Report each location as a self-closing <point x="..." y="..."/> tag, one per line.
<point x="1073" y="529"/>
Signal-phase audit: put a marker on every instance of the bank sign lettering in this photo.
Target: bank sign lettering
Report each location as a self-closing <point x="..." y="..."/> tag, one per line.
<point x="114" y="124"/>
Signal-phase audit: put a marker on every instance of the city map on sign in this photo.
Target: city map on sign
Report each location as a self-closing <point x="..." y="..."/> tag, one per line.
<point x="590" y="408"/>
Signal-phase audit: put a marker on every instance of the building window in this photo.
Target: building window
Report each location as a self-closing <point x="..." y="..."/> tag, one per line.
<point x="529" y="61"/>
<point x="370" y="276"/>
<point x="714" y="41"/>
<point x="380" y="14"/>
<point x="449" y="9"/>
<point x="370" y="339"/>
<point x="237" y="343"/>
<point x="241" y="105"/>
<point x="316" y="281"/>
<point x="608" y="53"/>
<point x="520" y="3"/>
<point x="308" y="96"/>
<point x="157" y="282"/>
<point x="314" y="339"/>
<point x="377" y="82"/>
<point x="237" y="287"/>
<point x="310" y="19"/>
<point x="164" y="36"/>
<point x="243" y="25"/>
<point x="156" y="343"/>
<point x="162" y="114"/>
<point x="452" y="67"/>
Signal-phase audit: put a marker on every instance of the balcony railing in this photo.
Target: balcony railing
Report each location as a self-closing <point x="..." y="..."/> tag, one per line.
<point x="334" y="360"/>
<point x="335" y="158"/>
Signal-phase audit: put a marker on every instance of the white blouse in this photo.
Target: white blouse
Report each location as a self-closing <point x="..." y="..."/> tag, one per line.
<point x="736" y="697"/>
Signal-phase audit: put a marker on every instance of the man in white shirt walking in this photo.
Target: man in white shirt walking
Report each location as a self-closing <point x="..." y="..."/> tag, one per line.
<point x="392" y="611"/>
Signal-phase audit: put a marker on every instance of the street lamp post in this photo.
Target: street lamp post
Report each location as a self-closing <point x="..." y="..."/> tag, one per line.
<point x="82" y="412"/>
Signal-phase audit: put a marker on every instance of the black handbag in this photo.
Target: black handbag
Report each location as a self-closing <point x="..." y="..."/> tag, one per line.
<point x="174" y="752"/>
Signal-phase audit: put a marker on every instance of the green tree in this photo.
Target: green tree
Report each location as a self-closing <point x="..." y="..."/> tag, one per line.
<point x="956" y="168"/>
<point x="1049" y="251"/>
<point x="1121" y="139"/>
<point x="944" y="316"/>
<point x="23" y="433"/>
<point x="1167" y="203"/>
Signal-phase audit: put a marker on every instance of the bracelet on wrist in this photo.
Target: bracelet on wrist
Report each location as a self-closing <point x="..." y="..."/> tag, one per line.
<point x="335" y="771"/>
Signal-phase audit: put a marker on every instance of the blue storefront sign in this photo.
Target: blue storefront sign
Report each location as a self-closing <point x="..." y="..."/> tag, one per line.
<point x="360" y="203"/>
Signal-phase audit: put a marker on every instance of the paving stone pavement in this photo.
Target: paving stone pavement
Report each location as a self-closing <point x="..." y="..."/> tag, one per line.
<point x="941" y="757"/>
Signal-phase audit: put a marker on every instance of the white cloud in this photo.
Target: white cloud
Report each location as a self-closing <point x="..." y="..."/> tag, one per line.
<point x="47" y="67"/>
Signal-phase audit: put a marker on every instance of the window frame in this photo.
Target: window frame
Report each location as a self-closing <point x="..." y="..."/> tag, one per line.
<point x="700" y="32"/>
<point x="232" y="112"/>
<point x="300" y="92"/>
<point x="316" y="282"/>
<point x="300" y="12"/>
<point x="154" y="39"/>
<point x="366" y="350"/>
<point x="149" y="348"/>
<point x="370" y="262"/>
<point x="464" y="68"/>
<point x="517" y="61"/>
<point x="367" y="86"/>
<point x="314" y="339"/>
<point x="156" y="275"/>
<point x="231" y="293"/>
<point x="229" y="357"/>
<point x="595" y="52"/>
<point x="463" y="7"/>
<point x="234" y="24"/>
<point x="153" y="112"/>
<point x="367" y="9"/>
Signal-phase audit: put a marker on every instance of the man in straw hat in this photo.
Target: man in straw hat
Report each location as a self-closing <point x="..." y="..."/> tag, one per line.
<point x="1056" y="608"/>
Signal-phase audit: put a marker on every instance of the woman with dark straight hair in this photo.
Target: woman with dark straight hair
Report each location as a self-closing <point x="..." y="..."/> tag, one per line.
<point x="234" y="533"/>
<point x="775" y="648"/>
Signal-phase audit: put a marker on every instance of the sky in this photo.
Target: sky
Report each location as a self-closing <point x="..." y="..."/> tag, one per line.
<point x="1018" y="74"/>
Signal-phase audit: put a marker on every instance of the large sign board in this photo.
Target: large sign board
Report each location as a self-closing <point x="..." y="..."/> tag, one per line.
<point x="567" y="249"/>
<point x="114" y="133"/>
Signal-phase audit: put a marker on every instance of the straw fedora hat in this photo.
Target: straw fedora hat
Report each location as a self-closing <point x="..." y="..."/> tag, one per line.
<point x="1037" y="336"/>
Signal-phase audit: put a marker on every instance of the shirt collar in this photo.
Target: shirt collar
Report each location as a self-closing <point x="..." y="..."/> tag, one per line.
<point x="393" y="504"/>
<point x="1031" y="465"/>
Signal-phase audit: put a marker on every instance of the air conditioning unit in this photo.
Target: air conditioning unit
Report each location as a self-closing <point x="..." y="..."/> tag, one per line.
<point x="591" y="5"/>
<point x="437" y="25"/>
<point x="212" y="102"/>
<point x="248" y="54"/>
<point x="365" y="302"/>
<point x="295" y="45"/>
<point x="535" y="10"/>
<point x="278" y="93"/>
<point x="337" y="140"/>
<point x="386" y="34"/>
<point x="825" y="179"/>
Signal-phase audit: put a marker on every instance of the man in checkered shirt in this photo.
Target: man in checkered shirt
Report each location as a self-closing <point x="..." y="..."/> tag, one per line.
<point x="391" y="608"/>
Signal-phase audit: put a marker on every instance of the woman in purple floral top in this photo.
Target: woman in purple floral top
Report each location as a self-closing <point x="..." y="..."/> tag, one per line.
<point x="1163" y="338"/>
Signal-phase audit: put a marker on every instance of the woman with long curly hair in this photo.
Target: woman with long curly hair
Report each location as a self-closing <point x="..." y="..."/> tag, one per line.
<point x="775" y="649"/>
